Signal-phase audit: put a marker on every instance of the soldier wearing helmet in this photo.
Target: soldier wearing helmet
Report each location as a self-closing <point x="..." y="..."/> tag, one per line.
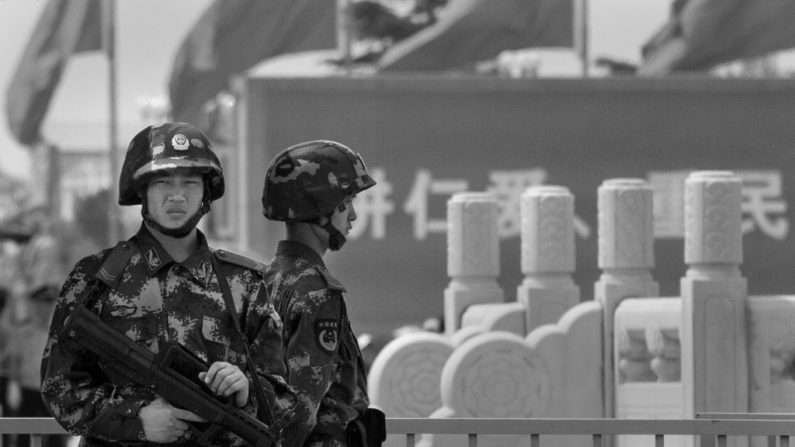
<point x="311" y="186"/>
<point x="167" y="149"/>
<point x="165" y="285"/>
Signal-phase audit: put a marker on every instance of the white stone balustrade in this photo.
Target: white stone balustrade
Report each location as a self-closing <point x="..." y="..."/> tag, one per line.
<point x="647" y="357"/>
<point x="626" y="226"/>
<point x="626" y="256"/>
<point x="634" y="358"/>
<point x="713" y="223"/>
<point x="547" y="261"/>
<point x="666" y="351"/>
<point x="628" y="353"/>
<point x="771" y="334"/>
<point x="555" y="371"/>
<point x="714" y="296"/>
<point x="647" y="340"/>
<point x="548" y="255"/>
<point x="647" y="348"/>
<point x="473" y="255"/>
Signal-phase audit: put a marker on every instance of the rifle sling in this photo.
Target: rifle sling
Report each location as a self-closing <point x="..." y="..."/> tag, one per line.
<point x="227" y="293"/>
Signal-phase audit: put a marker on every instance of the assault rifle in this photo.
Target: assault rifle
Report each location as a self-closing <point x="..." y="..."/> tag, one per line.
<point x="174" y="374"/>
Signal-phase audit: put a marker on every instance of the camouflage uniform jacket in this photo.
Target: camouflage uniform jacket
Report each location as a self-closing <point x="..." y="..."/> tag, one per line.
<point x="156" y="300"/>
<point x="324" y="364"/>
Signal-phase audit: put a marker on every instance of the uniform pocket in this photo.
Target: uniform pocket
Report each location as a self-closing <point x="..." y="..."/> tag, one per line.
<point x="222" y="340"/>
<point x="142" y="330"/>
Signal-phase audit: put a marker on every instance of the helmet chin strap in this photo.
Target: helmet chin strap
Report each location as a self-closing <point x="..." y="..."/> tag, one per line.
<point x="335" y="238"/>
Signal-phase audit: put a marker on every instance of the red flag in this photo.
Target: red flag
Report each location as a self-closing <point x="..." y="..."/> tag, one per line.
<point x="705" y="33"/>
<point x="232" y="36"/>
<point x="469" y="31"/>
<point x="65" y="27"/>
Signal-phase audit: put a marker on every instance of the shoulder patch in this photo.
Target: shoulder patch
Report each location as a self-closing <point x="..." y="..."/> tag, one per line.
<point x="239" y="260"/>
<point x="327" y="335"/>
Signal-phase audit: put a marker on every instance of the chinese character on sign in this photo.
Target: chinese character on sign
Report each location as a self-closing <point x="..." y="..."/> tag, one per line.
<point x="763" y="205"/>
<point x="507" y="187"/>
<point x="372" y="207"/>
<point x="417" y="202"/>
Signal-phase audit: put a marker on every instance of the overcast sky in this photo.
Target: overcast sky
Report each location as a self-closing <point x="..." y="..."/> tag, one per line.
<point x="149" y="32"/>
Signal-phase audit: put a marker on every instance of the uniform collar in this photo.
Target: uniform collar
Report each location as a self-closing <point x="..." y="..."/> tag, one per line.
<point x="155" y="257"/>
<point x="300" y="250"/>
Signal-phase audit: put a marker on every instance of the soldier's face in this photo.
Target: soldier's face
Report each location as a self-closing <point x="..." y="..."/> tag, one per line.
<point x="174" y="198"/>
<point x="344" y="215"/>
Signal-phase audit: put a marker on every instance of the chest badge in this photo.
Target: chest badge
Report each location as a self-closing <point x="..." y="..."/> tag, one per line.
<point x="327" y="334"/>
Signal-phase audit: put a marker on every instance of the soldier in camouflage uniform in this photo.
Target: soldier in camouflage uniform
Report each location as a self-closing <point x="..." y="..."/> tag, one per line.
<point x="310" y="186"/>
<point x="166" y="290"/>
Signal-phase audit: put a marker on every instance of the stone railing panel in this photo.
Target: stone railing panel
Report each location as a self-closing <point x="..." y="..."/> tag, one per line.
<point x="553" y="372"/>
<point x="771" y="348"/>
<point x="647" y="354"/>
<point x="509" y="317"/>
<point x="404" y="379"/>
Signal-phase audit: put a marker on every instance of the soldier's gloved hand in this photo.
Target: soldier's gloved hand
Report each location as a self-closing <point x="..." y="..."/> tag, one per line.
<point x="226" y="379"/>
<point x="163" y="422"/>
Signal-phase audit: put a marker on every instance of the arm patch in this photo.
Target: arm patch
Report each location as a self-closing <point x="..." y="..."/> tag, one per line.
<point x="327" y="335"/>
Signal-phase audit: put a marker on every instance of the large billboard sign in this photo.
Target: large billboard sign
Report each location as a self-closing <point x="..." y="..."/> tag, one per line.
<point x="427" y="138"/>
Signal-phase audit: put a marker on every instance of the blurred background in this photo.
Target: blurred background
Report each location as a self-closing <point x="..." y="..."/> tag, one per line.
<point x="81" y="77"/>
<point x="149" y="34"/>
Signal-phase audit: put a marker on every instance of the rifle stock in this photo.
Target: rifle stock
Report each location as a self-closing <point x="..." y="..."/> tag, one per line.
<point x="173" y="373"/>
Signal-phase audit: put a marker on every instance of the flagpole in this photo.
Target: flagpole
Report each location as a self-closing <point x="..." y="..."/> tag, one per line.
<point x="109" y="29"/>
<point x="344" y="33"/>
<point x="581" y="34"/>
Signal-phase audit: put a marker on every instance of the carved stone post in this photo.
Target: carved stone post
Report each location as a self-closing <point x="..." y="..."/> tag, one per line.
<point x="473" y="255"/>
<point x="548" y="259"/>
<point x="714" y="358"/>
<point x="626" y="256"/>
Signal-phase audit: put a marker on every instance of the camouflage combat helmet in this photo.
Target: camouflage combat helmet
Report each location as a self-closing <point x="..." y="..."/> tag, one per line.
<point x="166" y="147"/>
<point x="309" y="180"/>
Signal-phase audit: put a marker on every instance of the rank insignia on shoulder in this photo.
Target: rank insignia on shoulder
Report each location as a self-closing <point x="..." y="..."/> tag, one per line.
<point x="331" y="281"/>
<point x="111" y="269"/>
<point x="242" y="261"/>
<point x="327" y="335"/>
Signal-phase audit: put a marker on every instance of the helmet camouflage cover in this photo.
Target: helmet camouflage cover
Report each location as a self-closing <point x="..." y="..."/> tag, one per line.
<point x="167" y="147"/>
<point x="310" y="179"/>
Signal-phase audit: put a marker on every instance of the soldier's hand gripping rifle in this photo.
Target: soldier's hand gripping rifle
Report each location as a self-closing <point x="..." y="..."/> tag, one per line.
<point x="174" y="374"/>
